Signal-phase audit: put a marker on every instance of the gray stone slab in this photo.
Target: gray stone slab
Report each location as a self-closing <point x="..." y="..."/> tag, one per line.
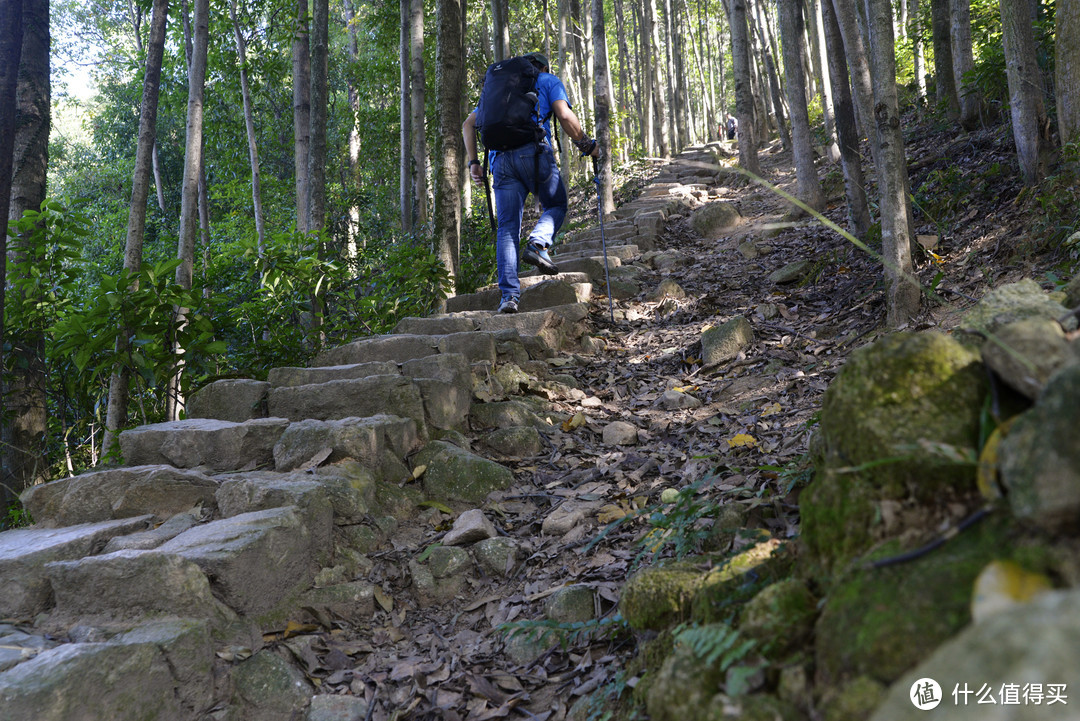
<point x="254" y="560"/>
<point x="229" y="399"/>
<point x="435" y="325"/>
<point x="220" y="445"/>
<point x="358" y="398"/>
<point x="160" y="672"/>
<point x="361" y="439"/>
<point x="452" y="366"/>
<point x="119" y="493"/>
<point x="474" y="346"/>
<point x="25" y="551"/>
<point x="285" y="377"/>
<point x="397" y="348"/>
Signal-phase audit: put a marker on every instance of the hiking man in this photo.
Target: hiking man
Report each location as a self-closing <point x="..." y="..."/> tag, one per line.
<point x="528" y="168"/>
<point x="732" y="126"/>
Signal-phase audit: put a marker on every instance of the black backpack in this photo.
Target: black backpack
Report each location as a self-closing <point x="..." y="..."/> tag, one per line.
<point x="506" y="114"/>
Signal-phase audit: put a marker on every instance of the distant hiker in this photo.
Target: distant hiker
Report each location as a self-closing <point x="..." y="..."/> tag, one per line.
<point x="732" y="126"/>
<point x="513" y="118"/>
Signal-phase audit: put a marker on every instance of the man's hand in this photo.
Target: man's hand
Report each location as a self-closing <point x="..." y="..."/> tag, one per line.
<point x="476" y="172"/>
<point x="588" y="146"/>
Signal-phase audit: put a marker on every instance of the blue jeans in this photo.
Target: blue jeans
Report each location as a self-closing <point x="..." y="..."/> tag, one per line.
<point x="516" y="173"/>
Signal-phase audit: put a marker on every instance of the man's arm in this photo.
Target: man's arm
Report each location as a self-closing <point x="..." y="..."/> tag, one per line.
<point x="468" y="134"/>
<point x="570" y="123"/>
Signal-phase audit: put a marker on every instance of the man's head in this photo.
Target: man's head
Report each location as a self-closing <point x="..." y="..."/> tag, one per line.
<point x="539" y="61"/>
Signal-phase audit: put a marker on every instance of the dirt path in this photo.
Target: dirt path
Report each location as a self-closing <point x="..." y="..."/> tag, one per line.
<point x="741" y="449"/>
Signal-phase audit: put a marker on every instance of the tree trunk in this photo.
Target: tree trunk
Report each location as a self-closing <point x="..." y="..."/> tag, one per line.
<point x="602" y="90"/>
<point x="405" y="137"/>
<point x="828" y="105"/>
<point x="744" y="100"/>
<point x="847" y="134"/>
<point x="116" y="414"/>
<point x="320" y="100"/>
<point x="301" y="57"/>
<point x="859" y="65"/>
<point x="918" y="59"/>
<point x="1031" y="128"/>
<point x="791" y="33"/>
<point x="648" y="101"/>
<point x="500" y="21"/>
<point x="902" y="296"/>
<point x="564" y="72"/>
<point x="352" y="187"/>
<point x="24" y="398"/>
<point x="944" y="80"/>
<point x="758" y="21"/>
<point x="249" y="124"/>
<point x="189" y="195"/>
<point x="964" y="62"/>
<point x="661" y="105"/>
<point x="682" y="117"/>
<point x="627" y="87"/>
<point x="418" y="89"/>
<point x="1067" y="69"/>
<point x="674" y="100"/>
<point x="11" y="40"/>
<point x="449" y="149"/>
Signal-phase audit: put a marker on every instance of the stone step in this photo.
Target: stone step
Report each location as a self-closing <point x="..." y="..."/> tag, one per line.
<point x="218" y="445"/>
<point x="621" y="253"/>
<point x="284" y="377"/>
<point x="538" y="292"/>
<point x="619" y="230"/>
<point x="379" y="443"/>
<point x="255" y="560"/>
<point x="395" y="348"/>
<point x="590" y="265"/>
<point x="25" y="551"/>
<point x="159" y="670"/>
<point x="119" y="493"/>
<point x="229" y="399"/>
<point x="591" y="247"/>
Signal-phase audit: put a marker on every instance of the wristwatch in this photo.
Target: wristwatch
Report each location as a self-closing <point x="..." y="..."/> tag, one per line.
<point x="473" y="162"/>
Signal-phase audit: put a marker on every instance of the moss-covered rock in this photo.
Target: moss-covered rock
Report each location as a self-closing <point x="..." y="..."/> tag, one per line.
<point x="890" y="400"/>
<point x="1008" y="304"/>
<point x="1040" y="457"/>
<point x="504" y="414"/>
<point x="454" y="474"/>
<point x="854" y="701"/>
<point x="572" y="604"/>
<point x="683" y="688"/>
<point x="514" y="442"/>
<point x="724" y="342"/>
<point x="781" y="616"/>
<point x="712" y="220"/>
<point x="880" y="622"/>
<point x="757" y="707"/>
<point x="739" y="578"/>
<point x="654" y="598"/>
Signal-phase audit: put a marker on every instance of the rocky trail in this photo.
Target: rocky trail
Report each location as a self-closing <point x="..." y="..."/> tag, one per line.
<point x="440" y="523"/>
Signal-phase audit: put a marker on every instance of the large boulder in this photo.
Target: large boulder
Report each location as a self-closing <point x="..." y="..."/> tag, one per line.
<point x="160" y="671"/>
<point x="229" y="399"/>
<point x="116" y="587"/>
<point x="1008" y="304"/>
<point x="359" y="398"/>
<point x="893" y="403"/>
<point x="25" y="551"/>
<point x="1033" y="645"/>
<point x="119" y="493"/>
<point x="1027" y="352"/>
<point x="268" y="688"/>
<point x="454" y="474"/>
<point x="713" y="220"/>
<point x="1040" y="457"/>
<point x="220" y="445"/>
<point x="367" y="440"/>
<point x="254" y="560"/>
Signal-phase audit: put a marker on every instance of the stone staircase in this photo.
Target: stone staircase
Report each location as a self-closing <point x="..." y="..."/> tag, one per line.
<point x="141" y="589"/>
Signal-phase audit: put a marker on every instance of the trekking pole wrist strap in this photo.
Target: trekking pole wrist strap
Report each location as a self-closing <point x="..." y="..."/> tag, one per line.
<point x="586" y="145"/>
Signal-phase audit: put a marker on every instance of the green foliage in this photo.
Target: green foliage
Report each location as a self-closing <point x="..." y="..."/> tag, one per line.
<point x="678" y="527"/>
<point x="567" y="635"/>
<point x="1056" y="203"/>
<point x="943" y="193"/>
<point x="15" y="517"/>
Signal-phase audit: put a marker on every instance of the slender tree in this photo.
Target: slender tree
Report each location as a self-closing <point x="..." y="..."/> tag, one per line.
<point x="417" y="84"/>
<point x="821" y="65"/>
<point x="405" y="111"/>
<point x="1067" y="69"/>
<point x="744" y="99"/>
<point x="902" y="295"/>
<point x="847" y="134"/>
<point x="354" y="240"/>
<point x="963" y="59"/>
<point x="859" y="65"/>
<point x="24" y="395"/>
<point x="792" y="29"/>
<point x="500" y="20"/>
<point x="1031" y="128"/>
<point x="449" y="150"/>
<point x="915" y="34"/>
<point x="301" y="63"/>
<point x="11" y="39"/>
<point x="116" y="413"/>
<point x="757" y="19"/>
<point x="189" y="195"/>
<point x="944" y="80"/>
<point x="648" y="101"/>
<point x="320" y="100"/>
<point x="602" y="91"/>
<point x="249" y="126"/>
<point x="663" y="136"/>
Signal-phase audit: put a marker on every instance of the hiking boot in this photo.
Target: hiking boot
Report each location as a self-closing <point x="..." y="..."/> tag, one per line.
<point x="535" y="255"/>
<point x="508" y="306"/>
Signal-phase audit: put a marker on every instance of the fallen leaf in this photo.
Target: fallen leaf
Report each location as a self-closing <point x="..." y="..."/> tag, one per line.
<point x="742" y="439"/>
<point x="385" y="601"/>
<point x="418" y="471"/>
<point x="577" y="421"/>
<point x="771" y="410"/>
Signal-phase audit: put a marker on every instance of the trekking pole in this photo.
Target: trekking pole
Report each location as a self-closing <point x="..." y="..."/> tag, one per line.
<point x="603" y="239"/>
